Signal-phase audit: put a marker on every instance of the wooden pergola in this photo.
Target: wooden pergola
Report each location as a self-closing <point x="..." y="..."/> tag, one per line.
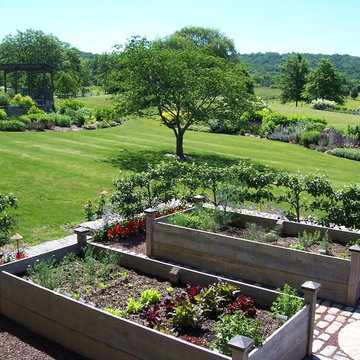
<point x="39" y="95"/>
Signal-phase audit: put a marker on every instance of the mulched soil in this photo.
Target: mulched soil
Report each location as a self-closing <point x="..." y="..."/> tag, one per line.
<point x="134" y="243"/>
<point x="335" y="249"/>
<point x="18" y="342"/>
<point x="114" y="290"/>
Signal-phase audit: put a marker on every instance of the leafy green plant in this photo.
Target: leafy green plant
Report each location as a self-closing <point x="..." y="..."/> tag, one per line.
<point x="4" y="99"/>
<point x="271" y="236"/>
<point x="3" y="115"/>
<point x="185" y="315"/>
<point x="207" y="300"/>
<point x="307" y="239"/>
<point x="287" y="303"/>
<point x="347" y="153"/>
<point x="325" y="242"/>
<point x="42" y="273"/>
<point x="7" y="221"/>
<point x="20" y="100"/>
<point x="149" y="297"/>
<point x="254" y="232"/>
<point x="133" y="306"/>
<point x="116" y="311"/>
<point x="12" y="125"/>
<point x="297" y="247"/>
<point x="229" y="326"/>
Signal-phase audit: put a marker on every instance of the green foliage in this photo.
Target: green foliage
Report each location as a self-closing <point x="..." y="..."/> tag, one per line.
<point x="228" y="326"/>
<point x="65" y="84"/>
<point x="185" y="315"/>
<point x="307" y="239"/>
<point x="133" y="306"/>
<point x="325" y="242"/>
<point x="254" y="232"/>
<point x="293" y="78"/>
<point x="20" y="100"/>
<point x="43" y="273"/>
<point x="12" y="125"/>
<point x="271" y="237"/>
<point x="342" y="207"/>
<point x="325" y="82"/>
<point x="347" y="153"/>
<point x="116" y="311"/>
<point x="68" y="105"/>
<point x="35" y="110"/>
<point x="295" y="191"/>
<point x="353" y="132"/>
<point x="310" y="138"/>
<point x="354" y="93"/>
<point x="202" y="219"/>
<point x="190" y="86"/>
<point x="3" y="115"/>
<point x="208" y="300"/>
<point x="7" y="221"/>
<point x="4" y="99"/>
<point x="286" y="304"/>
<point x="149" y="297"/>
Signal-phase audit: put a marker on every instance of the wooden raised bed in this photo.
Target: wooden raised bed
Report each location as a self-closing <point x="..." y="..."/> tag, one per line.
<point x="99" y="335"/>
<point x="260" y="262"/>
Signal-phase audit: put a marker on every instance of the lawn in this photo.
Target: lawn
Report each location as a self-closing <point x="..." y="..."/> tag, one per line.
<point x="53" y="174"/>
<point x="103" y="101"/>
<point x="335" y="119"/>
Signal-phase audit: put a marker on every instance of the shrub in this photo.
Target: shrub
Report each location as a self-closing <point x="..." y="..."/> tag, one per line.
<point x="12" y="125"/>
<point x="4" y="99"/>
<point x="229" y="326"/>
<point x="353" y="132"/>
<point x="7" y="202"/>
<point x="59" y="119"/>
<point x="64" y="106"/>
<point x="3" y="115"/>
<point x="273" y="121"/>
<point x="35" y="110"/>
<point x="223" y="126"/>
<point x="323" y="104"/>
<point x="354" y="93"/>
<point x="20" y="100"/>
<point x="347" y="153"/>
<point x="286" y="304"/>
<point x="309" y="138"/>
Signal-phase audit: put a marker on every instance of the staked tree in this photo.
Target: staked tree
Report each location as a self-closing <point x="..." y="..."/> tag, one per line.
<point x="293" y="78"/>
<point x="184" y="86"/>
<point x="325" y="82"/>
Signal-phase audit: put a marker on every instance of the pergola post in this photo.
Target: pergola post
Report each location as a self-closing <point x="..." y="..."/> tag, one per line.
<point x="5" y="85"/>
<point x="16" y="81"/>
<point x="44" y="84"/>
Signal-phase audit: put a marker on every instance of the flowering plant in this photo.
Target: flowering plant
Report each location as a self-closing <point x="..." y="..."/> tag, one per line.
<point x="13" y="255"/>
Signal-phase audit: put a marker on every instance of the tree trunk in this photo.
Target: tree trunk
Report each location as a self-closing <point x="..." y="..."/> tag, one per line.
<point x="179" y="145"/>
<point x="296" y="102"/>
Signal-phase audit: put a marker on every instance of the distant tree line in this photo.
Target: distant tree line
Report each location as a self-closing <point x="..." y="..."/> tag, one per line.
<point x="266" y="67"/>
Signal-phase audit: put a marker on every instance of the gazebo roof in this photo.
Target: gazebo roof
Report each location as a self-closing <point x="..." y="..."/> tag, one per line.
<point x="31" y="68"/>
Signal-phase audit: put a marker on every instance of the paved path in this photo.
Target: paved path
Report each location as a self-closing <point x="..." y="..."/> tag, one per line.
<point x="337" y="332"/>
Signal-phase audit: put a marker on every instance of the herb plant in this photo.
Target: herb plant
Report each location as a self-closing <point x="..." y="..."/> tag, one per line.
<point x="287" y="303"/>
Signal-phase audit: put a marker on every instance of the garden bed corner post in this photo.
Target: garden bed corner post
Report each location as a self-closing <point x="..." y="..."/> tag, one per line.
<point x="354" y="276"/>
<point x="81" y="234"/>
<point x="310" y="289"/>
<point x="150" y="216"/>
<point x="240" y="347"/>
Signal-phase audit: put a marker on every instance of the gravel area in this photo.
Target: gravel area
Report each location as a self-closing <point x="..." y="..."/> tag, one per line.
<point x="18" y="342"/>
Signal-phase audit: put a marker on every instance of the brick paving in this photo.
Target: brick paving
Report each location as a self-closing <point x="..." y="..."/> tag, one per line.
<point x="332" y="319"/>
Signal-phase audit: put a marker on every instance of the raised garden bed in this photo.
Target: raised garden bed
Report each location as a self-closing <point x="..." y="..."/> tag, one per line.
<point x="261" y="262"/>
<point x="95" y="333"/>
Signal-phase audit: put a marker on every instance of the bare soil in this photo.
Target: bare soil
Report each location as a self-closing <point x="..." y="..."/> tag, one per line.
<point x="18" y="342"/>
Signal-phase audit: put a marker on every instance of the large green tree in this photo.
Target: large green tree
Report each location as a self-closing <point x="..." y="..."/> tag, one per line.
<point x="293" y="78"/>
<point x="211" y="40"/>
<point x="325" y="82"/>
<point x="184" y="86"/>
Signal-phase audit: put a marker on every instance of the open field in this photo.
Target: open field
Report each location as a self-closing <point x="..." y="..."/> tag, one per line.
<point x="53" y="174"/>
<point x="103" y="101"/>
<point x="266" y="92"/>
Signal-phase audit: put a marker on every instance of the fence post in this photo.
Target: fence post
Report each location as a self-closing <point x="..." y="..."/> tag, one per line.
<point x="354" y="276"/>
<point x="240" y="347"/>
<point x="310" y="289"/>
<point x="81" y="235"/>
<point x="150" y="215"/>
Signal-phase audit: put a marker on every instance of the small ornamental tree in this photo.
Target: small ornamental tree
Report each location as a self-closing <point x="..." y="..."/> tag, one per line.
<point x="184" y="87"/>
<point x="7" y="201"/>
<point x="343" y="207"/>
<point x="300" y="192"/>
<point x="354" y="93"/>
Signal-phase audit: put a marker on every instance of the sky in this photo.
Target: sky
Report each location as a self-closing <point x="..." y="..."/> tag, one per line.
<point x="305" y="26"/>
